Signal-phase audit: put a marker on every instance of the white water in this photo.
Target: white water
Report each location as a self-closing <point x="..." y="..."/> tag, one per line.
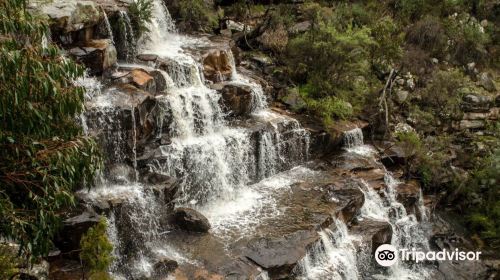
<point x="333" y="258"/>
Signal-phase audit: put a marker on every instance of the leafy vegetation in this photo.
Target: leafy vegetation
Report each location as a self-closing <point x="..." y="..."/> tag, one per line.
<point x="44" y="155"/>
<point x="9" y="262"/>
<point x="141" y="13"/>
<point x="195" y="14"/>
<point x="96" y="251"/>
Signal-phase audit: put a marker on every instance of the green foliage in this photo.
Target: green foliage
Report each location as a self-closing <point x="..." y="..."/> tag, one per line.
<point x="197" y="14"/>
<point x="141" y="13"/>
<point x="411" y="146"/>
<point x="97" y="249"/>
<point x="428" y="34"/>
<point x="9" y="262"/>
<point x="442" y="96"/>
<point x="468" y="39"/>
<point x="327" y="107"/>
<point x="44" y="156"/>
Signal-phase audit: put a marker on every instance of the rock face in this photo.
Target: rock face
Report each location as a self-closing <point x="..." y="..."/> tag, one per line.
<point x="68" y="15"/>
<point x="164" y="267"/>
<point x="375" y="232"/>
<point x="279" y="256"/>
<point x="73" y="228"/>
<point x="216" y="66"/>
<point x="237" y="99"/>
<point x="97" y="55"/>
<point x="190" y="220"/>
<point x="486" y="81"/>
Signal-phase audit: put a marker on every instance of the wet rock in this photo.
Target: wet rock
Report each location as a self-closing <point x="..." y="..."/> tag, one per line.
<point x="68" y="238"/>
<point x="375" y="232"/>
<point x="141" y="79"/>
<point x="190" y="220"/>
<point x="216" y="66"/>
<point x="486" y="81"/>
<point x="278" y="256"/>
<point x="164" y="266"/>
<point x="409" y="194"/>
<point x="68" y="15"/>
<point x="147" y="57"/>
<point x="237" y="99"/>
<point x="97" y="55"/>
<point x="121" y="173"/>
<point x="65" y="269"/>
<point x="338" y="129"/>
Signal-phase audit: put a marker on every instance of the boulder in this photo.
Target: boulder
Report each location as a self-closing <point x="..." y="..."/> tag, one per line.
<point x="68" y="238"/>
<point x="401" y="96"/>
<point x="486" y="81"/>
<point x="294" y="100"/>
<point x="237" y="99"/>
<point x="141" y="79"/>
<point x="279" y="255"/>
<point x="68" y="15"/>
<point x="470" y="124"/>
<point x="234" y="26"/>
<point x="97" y="55"/>
<point x="374" y="231"/>
<point x="300" y="27"/>
<point x="472" y="102"/>
<point x="217" y="66"/>
<point x="164" y="267"/>
<point x="190" y="220"/>
<point x="408" y="194"/>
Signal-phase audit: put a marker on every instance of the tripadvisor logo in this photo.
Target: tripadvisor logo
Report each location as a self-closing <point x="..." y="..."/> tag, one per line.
<point x="387" y="255"/>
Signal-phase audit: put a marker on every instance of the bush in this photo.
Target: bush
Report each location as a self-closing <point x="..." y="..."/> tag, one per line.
<point x="428" y="34"/>
<point x="97" y="249"/>
<point x="197" y="15"/>
<point x="141" y="13"/>
<point x="9" y="262"/>
<point x="468" y="39"/>
<point x="44" y="156"/>
<point x="442" y="95"/>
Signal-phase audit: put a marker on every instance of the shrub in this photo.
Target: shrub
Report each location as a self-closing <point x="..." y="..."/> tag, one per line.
<point x="197" y="14"/>
<point x="141" y="13"/>
<point x="442" y="95"/>
<point x="411" y="146"/>
<point x="428" y="34"/>
<point x="97" y="249"/>
<point x="44" y="155"/>
<point x="328" y="108"/>
<point x="468" y="39"/>
<point x="9" y="262"/>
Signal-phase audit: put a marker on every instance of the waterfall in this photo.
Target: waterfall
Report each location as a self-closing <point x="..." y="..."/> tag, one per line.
<point x="107" y="25"/>
<point x="333" y="257"/>
<point x="126" y="44"/>
<point x="353" y="138"/>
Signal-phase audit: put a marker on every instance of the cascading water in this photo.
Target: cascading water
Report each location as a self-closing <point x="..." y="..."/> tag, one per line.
<point x="333" y="258"/>
<point x="125" y="40"/>
<point x="107" y="25"/>
<point x="215" y="163"/>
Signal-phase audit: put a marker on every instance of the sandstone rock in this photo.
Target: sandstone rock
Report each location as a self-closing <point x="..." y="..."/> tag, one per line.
<point x="237" y="99"/>
<point x="486" y="81"/>
<point x="476" y="103"/>
<point x="190" y="220"/>
<point x="147" y="57"/>
<point x="216" y="66"/>
<point x="141" y="79"/>
<point x="376" y="232"/>
<point x="97" y="55"/>
<point x="409" y="194"/>
<point x="68" y="15"/>
<point x="278" y="256"/>
<point x="470" y="124"/>
<point x="68" y="238"/>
